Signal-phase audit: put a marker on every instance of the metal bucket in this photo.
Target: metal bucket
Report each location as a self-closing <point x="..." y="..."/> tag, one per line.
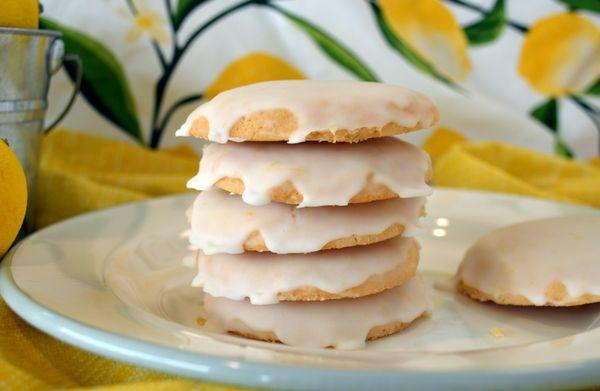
<point x="28" y="58"/>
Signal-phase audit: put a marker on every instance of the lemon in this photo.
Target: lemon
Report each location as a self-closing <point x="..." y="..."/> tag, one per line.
<point x="252" y="68"/>
<point x="430" y="28"/>
<point x="19" y="13"/>
<point x="560" y="54"/>
<point x="13" y="197"/>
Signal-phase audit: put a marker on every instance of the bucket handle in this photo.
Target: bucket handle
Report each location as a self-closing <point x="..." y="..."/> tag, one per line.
<point x="77" y="64"/>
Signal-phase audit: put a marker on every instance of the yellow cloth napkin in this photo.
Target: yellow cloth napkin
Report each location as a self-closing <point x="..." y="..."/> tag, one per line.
<point x="501" y="167"/>
<point x="80" y="173"/>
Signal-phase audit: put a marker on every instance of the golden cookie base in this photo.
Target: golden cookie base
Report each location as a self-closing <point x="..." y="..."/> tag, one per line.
<point x="556" y="295"/>
<point x="280" y="125"/>
<point x="375" y="333"/>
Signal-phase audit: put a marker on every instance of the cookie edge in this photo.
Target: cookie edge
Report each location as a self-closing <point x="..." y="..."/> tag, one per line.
<point x="554" y="294"/>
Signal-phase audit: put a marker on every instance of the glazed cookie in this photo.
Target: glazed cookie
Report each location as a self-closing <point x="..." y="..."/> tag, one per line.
<point x="223" y="223"/>
<point x="343" y="324"/>
<point x="316" y="174"/>
<point x="549" y="262"/>
<point x="310" y="110"/>
<point x="266" y="278"/>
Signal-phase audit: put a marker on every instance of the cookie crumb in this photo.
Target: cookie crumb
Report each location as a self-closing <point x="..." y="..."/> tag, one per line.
<point x="497" y="332"/>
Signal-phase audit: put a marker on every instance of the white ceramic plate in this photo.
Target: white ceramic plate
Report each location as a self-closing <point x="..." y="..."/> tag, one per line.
<point x="113" y="282"/>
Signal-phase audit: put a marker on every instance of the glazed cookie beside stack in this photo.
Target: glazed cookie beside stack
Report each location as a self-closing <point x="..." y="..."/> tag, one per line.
<point x="291" y="232"/>
<point x="549" y="262"/>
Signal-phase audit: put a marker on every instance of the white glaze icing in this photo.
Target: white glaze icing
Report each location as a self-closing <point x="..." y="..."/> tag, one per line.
<point x="343" y="323"/>
<point x="261" y="276"/>
<point x="524" y="259"/>
<point x="318" y="106"/>
<point x="324" y="173"/>
<point x="221" y="223"/>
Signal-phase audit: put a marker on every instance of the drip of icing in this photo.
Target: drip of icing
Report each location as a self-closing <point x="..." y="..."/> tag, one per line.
<point x="317" y="105"/>
<point x="221" y="223"/>
<point x="261" y="276"/>
<point x="526" y="258"/>
<point x="324" y="173"/>
<point x="343" y="323"/>
<point x="184" y="130"/>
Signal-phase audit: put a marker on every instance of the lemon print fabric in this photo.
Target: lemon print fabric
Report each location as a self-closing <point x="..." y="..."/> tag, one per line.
<point x="22" y="14"/>
<point x="431" y="29"/>
<point x="541" y="60"/>
<point x="252" y="68"/>
<point x="561" y="54"/>
<point x="13" y="197"/>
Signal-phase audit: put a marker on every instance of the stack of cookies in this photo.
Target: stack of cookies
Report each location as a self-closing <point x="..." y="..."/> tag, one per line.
<point x="304" y="225"/>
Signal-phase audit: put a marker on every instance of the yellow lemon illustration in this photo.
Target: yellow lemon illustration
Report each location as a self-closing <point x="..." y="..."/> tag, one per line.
<point x="431" y="29"/>
<point x="561" y="54"/>
<point x="252" y="68"/>
<point x="13" y="197"/>
<point x="19" y="13"/>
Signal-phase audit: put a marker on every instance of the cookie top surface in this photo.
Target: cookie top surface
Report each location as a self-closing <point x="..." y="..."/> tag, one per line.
<point x="301" y="110"/>
<point x="317" y="174"/>
<point x="222" y="223"/>
<point x="343" y="323"/>
<point x="263" y="277"/>
<point x="531" y="259"/>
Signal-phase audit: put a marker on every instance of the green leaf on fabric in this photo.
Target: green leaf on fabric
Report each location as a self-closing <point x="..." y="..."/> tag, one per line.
<point x="561" y="149"/>
<point x="547" y="113"/>
<point x="183" y="9"/>
<point x="332" y="48"/>
<point x="594" y="89"/>
<point x="103" y="84"/>
<point x="589" y="5"/>
<point x="489" y="27"/>
<point x="410" y="54"/>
